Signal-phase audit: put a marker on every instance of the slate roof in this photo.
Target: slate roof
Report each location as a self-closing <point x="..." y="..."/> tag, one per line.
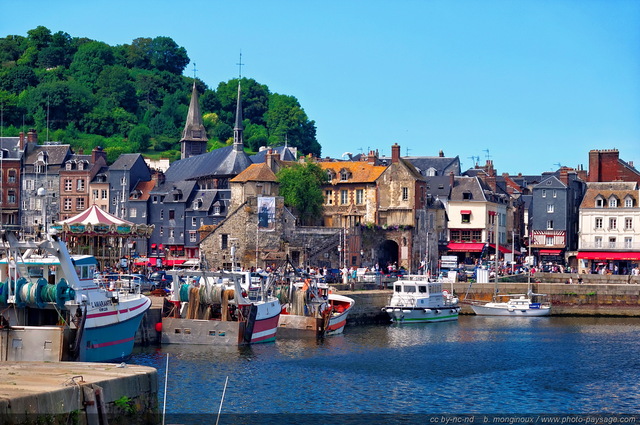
<point x="185" y="188"/>
<point x="284" y="154"/>
<point x="125" y="161"/>
<point x="219" y="162"/>
<point x="56" y="154"/>
<point x="442" y="165"/>
<point x="194" y="128"/>
<point x="208" y="198"/>
<point x="11" y="144"/>
<point x="438" y="186"/>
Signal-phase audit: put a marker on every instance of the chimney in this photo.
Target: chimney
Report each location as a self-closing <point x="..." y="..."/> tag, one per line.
<point x="98" y="152"/>
<point x="21" y="141"/>
<point x="372" y="158"/>
<point x="158" y="177"/>
<point x="564" y="176"/>
<point x="441" y="154"/>
<point x="269" y="159"/>
<point x="452" y="179"/>
<point x="32" y="136"/>
<point x="395" y="153"/>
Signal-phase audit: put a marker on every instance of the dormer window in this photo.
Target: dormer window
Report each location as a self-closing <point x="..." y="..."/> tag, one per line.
<point x="613" y="202"/>
<point x="467" y="195"/>
<point x="81" y="165"/>
<point x="599" y="202"/>
<point x="628" y="202"/>
<point x="344" y="175"/>
<point x="330" y="174"/>
<point x="68" y="166"/>
<point x="431" y="172"/>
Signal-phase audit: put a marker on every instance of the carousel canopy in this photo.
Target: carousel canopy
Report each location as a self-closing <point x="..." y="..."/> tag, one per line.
<point x="96" y="221"/>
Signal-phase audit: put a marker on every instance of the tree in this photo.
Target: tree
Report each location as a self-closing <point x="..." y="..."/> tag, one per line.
<point x="90" y="59"/>
<point x="255" y="100"/>
<point x="114" y="88"/>
<point x="65" y="102"/>
<point x="165" y="55"/>
<point x="286" y="119"/>
<point x="140" y="136"/>
<point x="301" y="187"/>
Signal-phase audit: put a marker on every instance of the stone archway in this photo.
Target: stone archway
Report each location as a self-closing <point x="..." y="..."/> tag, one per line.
<point x="387" y="254"/>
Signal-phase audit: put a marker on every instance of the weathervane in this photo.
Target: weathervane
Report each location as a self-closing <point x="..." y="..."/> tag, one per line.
<point x="194" y="70"/>
<point x="240" y="66"/>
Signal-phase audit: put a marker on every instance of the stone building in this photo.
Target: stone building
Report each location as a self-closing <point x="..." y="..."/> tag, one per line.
<point x="11" y="155"/>
<point x="606" y="166"/>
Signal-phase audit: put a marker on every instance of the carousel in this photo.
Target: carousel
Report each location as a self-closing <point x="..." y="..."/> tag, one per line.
<point x="103" y="235"/>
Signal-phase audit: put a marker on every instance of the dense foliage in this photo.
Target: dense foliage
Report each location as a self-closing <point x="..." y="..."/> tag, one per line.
<point x="87" y="93"/>
<point x="301" y="187"/>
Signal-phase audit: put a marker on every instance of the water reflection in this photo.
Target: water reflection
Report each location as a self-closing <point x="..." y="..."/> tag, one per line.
<point x="480" y="364"/>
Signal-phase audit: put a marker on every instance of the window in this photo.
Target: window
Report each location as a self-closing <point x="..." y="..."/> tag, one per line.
<point x="613" y="223"/>
<point x="94" y="194"/>
<point x="599" y="202"/>
<point x="224" y="241"/>
<point x="192" y="237"/>
<point x="344" y="197"/>
<point x="598" y="241"/>
<point x="466" y="217"/>
<point x="172" y="214"/>
<point x="628" y="243"/>
<point x="103" y="193"/>
<point x="11" y="197"/>
<point x="466" y="235"/>
<point x="628" y="223"/>
<point x="79" y="204"/>
<point x="161" y="214"/>
<point x="39" y="168"/>
<point x="359" y="196"/>
<point x="67" y="204"/>
<point x="344" y="175"/>
<point x="466" y="195"/>
<point x="548" y="240"/>
<point x="216" y="210"/>
<point x="68" y="166"/>
<point x="28" y="184"/>
<point x="68" y="185"/>
<point x="628" y="202"/>
<point x="612" y="242"/>
<point x="476" y="235"/>
<point x="133" y="212"/>
<point x="194" y="221"/>
<point x="155" y="199"/>
<point x="12" y="176"/>
<point x="549" y="224"/>
<point x="598" y="222"/>
<point x="405" y="193"/>
<point x="555" y="193"/>
<point x="80" y="185"/>
<point x="114" y="200"/>
<point x="172" y="233"/>
<point x="544" y="193"/>
<point x="613" y="202"/>
<point x="328" y="194"/>
<point x="550" y="208"/>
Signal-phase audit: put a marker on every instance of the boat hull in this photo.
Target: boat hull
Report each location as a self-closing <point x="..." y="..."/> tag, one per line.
<point x="422" y="315"/>
<point x="110" y="343"/>
<point x="266" y="323"/>
<point x="502" y="309"/>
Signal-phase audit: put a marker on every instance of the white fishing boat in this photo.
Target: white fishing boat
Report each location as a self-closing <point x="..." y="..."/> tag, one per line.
<point x="417" y="300"/>
<point x="313" y="310"/>
<point x="54" y="310"/>
<point x="224" y="308"/>
<point x="513" y="305"/>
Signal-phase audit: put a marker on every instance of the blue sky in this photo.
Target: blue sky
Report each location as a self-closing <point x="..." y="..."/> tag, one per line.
<point x="528" y="84"/>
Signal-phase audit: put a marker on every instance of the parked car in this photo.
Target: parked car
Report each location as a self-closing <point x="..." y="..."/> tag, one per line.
<point x="134" y="281"/>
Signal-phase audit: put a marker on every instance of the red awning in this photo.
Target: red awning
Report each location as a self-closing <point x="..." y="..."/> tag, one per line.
<point x="550" y="251"/>
<point x="493" y="213"/>
<point x="153" y="246"/>
<point x="607" y="255"/>
<point x="160" y="247"/>
<point x="465" y="212"/>
<point x="501" y="248"/>
<point x="173" y="262"/>
<point x="465" y="246"/>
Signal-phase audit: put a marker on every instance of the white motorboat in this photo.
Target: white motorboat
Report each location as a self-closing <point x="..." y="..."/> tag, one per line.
<point x="417" y="300"/>
<point x="514" y="305"/>
<point x="57" y="311"/>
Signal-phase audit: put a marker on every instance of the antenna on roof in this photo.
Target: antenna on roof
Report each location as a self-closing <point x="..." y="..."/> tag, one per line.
<point x="407" y="150"/>
<point x="487" y="155"/>
<point x="240" y="65"/>
<point x="558" y="164"/>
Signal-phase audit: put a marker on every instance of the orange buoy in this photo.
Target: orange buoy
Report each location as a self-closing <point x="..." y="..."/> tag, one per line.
<point x="159" y="327"/>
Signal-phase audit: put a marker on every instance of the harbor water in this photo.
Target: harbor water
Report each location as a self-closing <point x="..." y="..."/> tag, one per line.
<point x="476" y="366"/>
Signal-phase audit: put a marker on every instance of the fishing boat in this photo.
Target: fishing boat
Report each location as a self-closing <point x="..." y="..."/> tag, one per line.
<point x="513" y="305"/>
<point x="220" y="308"/>
<point x="416" y="299"/>
<point x="313" y="310"/>
<point x="54" y="310"/>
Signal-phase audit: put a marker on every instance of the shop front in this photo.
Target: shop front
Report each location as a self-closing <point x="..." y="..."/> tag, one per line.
<point x="608" y="262"/>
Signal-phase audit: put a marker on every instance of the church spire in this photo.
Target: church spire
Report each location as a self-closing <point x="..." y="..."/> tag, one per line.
<point x="238" y="142"/>
<point x="194" y="136"/>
